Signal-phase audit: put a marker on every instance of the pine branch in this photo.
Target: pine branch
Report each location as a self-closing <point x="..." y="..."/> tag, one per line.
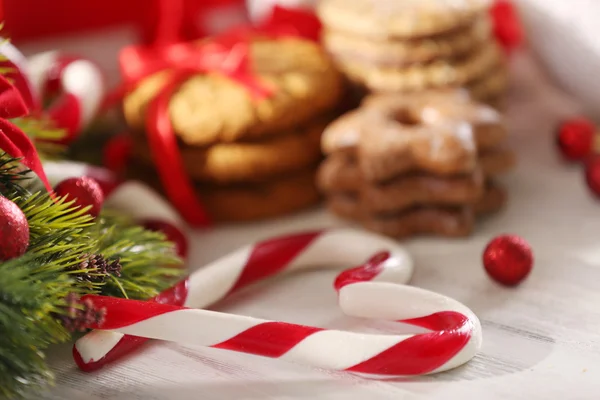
<point x="69" y="254"/>
<point x="149" y="263"/>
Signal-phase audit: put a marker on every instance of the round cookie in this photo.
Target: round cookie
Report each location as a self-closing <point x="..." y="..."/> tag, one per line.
<point x="245" y="203"/>
<point x="256" y="161"/>
<point x="401" y="53"/>
<point x="210" y="108"/>
<point x="491" y="86"/>
<point x="391" y="19"/>
<point x="437" y="74"/>
<point x="496" y="161"/>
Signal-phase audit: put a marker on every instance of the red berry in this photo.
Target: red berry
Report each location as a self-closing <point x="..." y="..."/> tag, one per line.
<point x="508" y="259"/>
<point x="592" y="174"/>
<point x="575" y="138"/>
<point x="14" y="230"/>
<point x="172" y="233"/>
<point x="84" y="191"/>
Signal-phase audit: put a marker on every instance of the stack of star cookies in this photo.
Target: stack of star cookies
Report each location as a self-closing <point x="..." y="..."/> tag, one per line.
<point x="424" y="164"/>
<point x="413" y="45"/>
<point x="250" y="158"/>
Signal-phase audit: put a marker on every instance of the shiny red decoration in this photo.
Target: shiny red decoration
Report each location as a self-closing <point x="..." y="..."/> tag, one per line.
<point x="85" y="191"/>
<point x="508" y="28"/>
<point x="172" y="233"/>
<point x="592" y="174"/>
<point x="14" y="230"/>
<point x="508" y="259"/>
<point x="575" y="138"/>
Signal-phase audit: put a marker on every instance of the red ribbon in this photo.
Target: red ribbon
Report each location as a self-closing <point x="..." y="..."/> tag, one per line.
<point x="227" y="54"/>
<point x="12" y="139"/>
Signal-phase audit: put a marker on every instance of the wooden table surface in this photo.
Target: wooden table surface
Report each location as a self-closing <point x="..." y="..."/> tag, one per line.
<point x="540" y="339"/>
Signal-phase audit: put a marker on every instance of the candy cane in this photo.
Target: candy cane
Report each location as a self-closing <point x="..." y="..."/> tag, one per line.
<point x="457" y="340"/>
<point x="125" y="196"/>
<point x="372" y="290"/>
<point x="81" y="86"/>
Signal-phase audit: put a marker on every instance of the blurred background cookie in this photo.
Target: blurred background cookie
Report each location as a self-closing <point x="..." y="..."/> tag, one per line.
<point x="415" y="45"/>
<point x="425" y="163"/>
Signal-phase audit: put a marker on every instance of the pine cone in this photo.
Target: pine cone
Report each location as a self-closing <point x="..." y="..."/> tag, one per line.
<point x="96" y="269"/>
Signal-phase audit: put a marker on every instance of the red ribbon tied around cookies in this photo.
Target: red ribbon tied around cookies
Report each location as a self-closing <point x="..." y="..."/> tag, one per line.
<point x="227" y="55"/>
<point x="12" y="139"/>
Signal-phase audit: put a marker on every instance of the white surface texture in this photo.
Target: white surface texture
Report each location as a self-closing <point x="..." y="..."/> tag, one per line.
<point x="540" y="339"/>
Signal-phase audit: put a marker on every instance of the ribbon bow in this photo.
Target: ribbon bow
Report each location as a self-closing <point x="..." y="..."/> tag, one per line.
<point x="227" y="55"/>
<point x="12" y="139"/>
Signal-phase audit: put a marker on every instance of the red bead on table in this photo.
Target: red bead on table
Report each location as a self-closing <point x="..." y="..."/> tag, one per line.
<point x="508" y="259"/>
<point x="14" y="230"/>
<point x="84" y="191"/>
<point x="575" y="138"/>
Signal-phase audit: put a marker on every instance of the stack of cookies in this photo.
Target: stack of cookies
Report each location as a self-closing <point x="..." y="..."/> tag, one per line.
<point x="414" y="45"/>
<point x="250" y="158"/>
<point x="421" y="164"/>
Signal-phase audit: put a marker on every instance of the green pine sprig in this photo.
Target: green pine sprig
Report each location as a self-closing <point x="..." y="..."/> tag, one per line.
<point x="35" y="288"/>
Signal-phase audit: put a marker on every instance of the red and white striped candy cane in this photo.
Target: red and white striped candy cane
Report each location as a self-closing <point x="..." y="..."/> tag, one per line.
<point x="373" y="290"/>
<point x="365" y="291"/>
<point x="78" y="82"/>
<point x="131" y="197"/>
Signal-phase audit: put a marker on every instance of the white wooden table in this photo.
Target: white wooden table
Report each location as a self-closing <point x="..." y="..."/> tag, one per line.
<point x="541" y="340"/>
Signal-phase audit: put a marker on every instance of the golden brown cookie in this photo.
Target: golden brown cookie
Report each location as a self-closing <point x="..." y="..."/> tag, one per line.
<point x="450" y="222"/>
<point x="496" y="162"/>
<point x="210" y="108"/>
<point x="337" y="175"/>
<point x="433" y="132"/>
<point x="385" y="19"/>
<point x="245" y="203"/>
<point x="256" y="161"/>
<point x="436" y="74"/>
<point x="493" y="200"/>
<point x="401" y="53"/>
<point x="492" y="85"/>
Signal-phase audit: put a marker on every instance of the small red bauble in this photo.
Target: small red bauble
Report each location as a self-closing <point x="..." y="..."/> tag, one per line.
<point x="172" y="233"/>
<point x="575" y="138"/>
<point x="14" y="230"/>
<point x="85" y="191"/>
<point x="508" y="259"/>
<point x="592" y="174"/>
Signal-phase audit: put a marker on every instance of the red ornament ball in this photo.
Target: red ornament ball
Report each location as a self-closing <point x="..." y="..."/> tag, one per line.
<point x="508" y="259"/>
<point x="575" y="138"/>
<point x="85" y="191"/>
<point x="592" y="174"/>
<point x="172" y="233"/>
<point x="14" y="230"/>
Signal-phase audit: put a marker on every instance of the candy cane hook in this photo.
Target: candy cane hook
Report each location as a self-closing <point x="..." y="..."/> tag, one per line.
<point x="339" y="249"/>
<point x="80" y="83"/>
<point x="456" y="339"/>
